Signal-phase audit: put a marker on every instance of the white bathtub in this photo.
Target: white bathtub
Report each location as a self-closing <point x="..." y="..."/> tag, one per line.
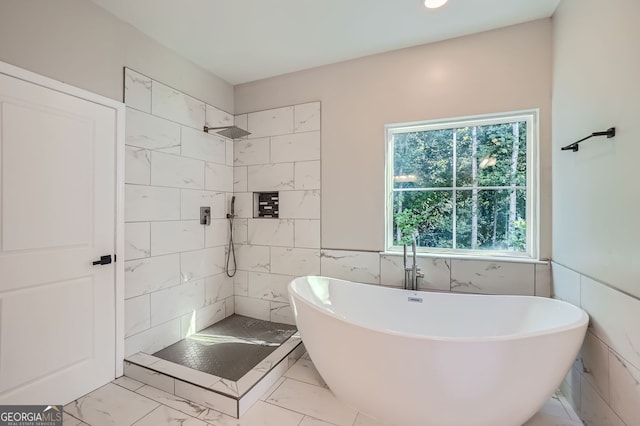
<point x="419" y="358"/>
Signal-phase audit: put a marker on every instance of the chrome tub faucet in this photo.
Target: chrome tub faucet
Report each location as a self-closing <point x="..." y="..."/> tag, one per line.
<point x="412" y="273"/>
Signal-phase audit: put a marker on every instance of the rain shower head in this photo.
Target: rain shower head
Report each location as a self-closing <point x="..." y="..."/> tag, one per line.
<point x="231" y="132"/>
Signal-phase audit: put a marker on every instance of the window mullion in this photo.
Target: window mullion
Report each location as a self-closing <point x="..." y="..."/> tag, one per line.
<point x="454" y="219"/>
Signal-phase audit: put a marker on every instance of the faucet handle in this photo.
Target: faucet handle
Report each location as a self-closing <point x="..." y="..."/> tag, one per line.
<point x="419" y="276"/>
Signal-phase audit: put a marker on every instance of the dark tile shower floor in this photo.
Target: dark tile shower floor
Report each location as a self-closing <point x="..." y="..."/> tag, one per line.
<point x="229" y="348"/>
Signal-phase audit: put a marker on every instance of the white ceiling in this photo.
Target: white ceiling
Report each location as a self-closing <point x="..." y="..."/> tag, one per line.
<point x="246" y="40"/>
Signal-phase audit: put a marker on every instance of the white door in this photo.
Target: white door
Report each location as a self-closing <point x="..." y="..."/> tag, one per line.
<point x="57" y="215"/>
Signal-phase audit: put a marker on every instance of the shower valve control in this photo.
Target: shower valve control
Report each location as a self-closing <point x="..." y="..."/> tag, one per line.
<point x="205" y="215"/>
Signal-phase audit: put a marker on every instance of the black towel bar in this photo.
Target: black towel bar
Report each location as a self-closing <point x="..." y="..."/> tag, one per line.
<point x="609" y="133"/>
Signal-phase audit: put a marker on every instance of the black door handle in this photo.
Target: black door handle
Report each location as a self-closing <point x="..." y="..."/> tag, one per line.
<point x="104" y="260"/>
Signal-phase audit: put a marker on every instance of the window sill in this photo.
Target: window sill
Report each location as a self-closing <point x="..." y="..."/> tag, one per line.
<point x="472" y="257"/>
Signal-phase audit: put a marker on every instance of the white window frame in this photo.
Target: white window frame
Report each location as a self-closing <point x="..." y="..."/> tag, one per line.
<point x="531" y="118"/>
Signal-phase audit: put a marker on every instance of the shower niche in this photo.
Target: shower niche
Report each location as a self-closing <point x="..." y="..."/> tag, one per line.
<point x="266" y="205"/>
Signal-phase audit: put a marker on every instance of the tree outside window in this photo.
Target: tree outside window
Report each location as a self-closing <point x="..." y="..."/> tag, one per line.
<point x="463" y="186"/>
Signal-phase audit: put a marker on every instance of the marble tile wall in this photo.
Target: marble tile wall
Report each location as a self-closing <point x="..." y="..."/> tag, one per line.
<point x="174" y="267"/>
<point x="441" y="274"/>
<point x="604" y="384"/>
<point x="281" y="154"/>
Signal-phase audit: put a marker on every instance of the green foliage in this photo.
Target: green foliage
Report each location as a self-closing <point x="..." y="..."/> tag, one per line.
<point x="485" y="219"/>
<point x="427" y="215"/>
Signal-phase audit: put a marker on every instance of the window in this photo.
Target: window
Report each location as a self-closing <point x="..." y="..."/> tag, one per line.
<point x="464" y="186"/>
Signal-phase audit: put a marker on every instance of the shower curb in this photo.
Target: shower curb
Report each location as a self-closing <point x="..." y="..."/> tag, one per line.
<point x="233" y="398"/>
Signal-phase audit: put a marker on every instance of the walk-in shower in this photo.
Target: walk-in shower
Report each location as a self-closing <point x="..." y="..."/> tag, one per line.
<point x="231" y="132"/>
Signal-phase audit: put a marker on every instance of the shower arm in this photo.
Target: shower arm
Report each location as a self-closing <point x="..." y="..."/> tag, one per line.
<point x="231" y="132"/>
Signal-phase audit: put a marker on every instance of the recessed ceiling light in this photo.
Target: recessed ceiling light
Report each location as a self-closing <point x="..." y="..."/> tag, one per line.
<point x="434" y="4"/>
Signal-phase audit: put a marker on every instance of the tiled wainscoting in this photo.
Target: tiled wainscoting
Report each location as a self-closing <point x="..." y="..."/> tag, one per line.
<point x="441" y="274"/>
<point x="281" y="154"/>
<point x="257" y="290"/>
<point x="174" y="279"/>
<point x="604" y="384"/>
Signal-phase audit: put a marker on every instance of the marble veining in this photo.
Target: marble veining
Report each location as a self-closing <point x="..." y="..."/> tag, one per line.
<point x="282" y="312"/>
<point x="240" y="179"/>
<point x="205" y="316"/>
<point x="351" y="265"/>
<point x="218" y="177"/>
<point x="112" y="403"/>
<point x="137" y="315"/>
<point x="176" y="301"/>
<point x="295" y="147"/>
<point x="151" y="274"/>
<point x="300" y="204"/>
<point x="176" y="236"/>
<point x="164" y="415"/>
<point x="299" y="398"/>
<point x="192" y="200"/>
<point x="240" y="231"/>
<point x="253" y="258"/>
<point x="460" y="286"/>
<point x="176" y="106"/>
<point x="147" y="131"/>
<point x="492" y="278"/>
<point x="153" y="339"/>
<point x="201" y="263"/>
<point x="273" y="232"/>
<point x="272" y="177"/>
<point x="176" y="171"/>
<point x="216" y="117"/>
<point x="137" y="90"/>
<point x="254" y="308"/>
<point x="203" y="146"/>
<point x="306" y="117"/>
<point x="614" y="316"/>
<point x="437" y="272"/>
<point x="624" y="388"/>
<point x="269" y="286"/>
<point x="251" y="152"/>
<point x="137" y="242"/>
<point x="594" y="362"/>
<point x="295" y="261"/>
<point x="307" y="175"/>
<point x="226" y="386"/>
<point x="278" y="121"/>
<point x="138" y="165"/>
<point x="148" y="203"/>
<point x="594" y="410"/>
<point x="218" y="287"/>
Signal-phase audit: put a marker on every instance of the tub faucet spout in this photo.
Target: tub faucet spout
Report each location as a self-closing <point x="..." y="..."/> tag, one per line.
<point x="412" y="273"/>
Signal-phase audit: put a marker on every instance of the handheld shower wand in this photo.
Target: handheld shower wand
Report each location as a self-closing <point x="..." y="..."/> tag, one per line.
<point x="232" y="210"/>
<point x="231" y="251"/>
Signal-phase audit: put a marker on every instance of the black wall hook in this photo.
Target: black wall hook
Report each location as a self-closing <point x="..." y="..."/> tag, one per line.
<point x="609" y="133"/>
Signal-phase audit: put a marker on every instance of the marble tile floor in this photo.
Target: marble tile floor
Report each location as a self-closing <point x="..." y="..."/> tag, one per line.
<point x="299" y="398"/>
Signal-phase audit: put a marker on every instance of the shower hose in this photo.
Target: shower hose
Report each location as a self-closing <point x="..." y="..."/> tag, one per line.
<point x="231" y="251"/>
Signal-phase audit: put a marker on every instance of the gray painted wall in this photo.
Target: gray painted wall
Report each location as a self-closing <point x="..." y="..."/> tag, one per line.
<point x="79" y="43"/>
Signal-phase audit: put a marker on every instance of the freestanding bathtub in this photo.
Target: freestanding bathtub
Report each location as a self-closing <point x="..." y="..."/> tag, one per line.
<point x="413" y="358"/>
